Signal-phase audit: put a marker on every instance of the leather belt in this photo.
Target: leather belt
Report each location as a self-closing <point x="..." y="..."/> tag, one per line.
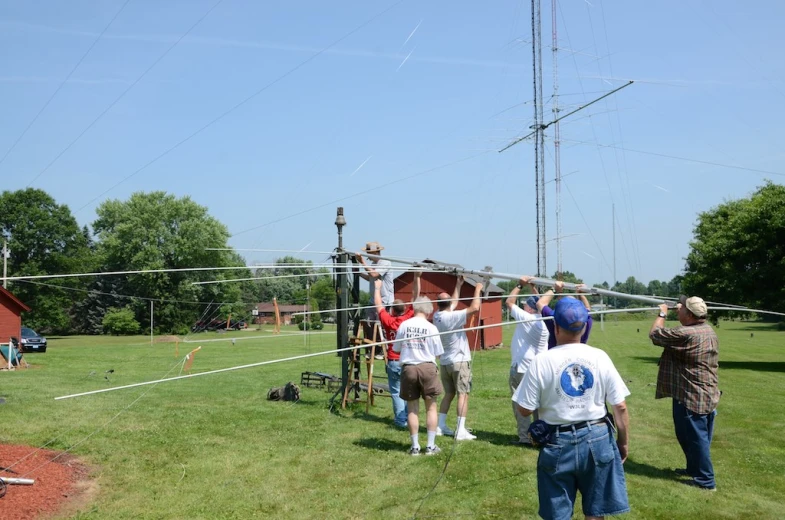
<point x="579" y="425"/>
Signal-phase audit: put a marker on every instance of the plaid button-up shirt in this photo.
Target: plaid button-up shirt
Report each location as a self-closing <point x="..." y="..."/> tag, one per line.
<point x="688" y="366"/>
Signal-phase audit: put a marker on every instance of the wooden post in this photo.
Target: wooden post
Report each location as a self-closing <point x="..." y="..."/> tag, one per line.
<point x="277" y="328"/>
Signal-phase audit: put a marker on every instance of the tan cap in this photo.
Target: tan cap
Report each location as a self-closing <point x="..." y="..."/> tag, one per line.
<point x="695" y="305"/>
<point x="373" y="246"/>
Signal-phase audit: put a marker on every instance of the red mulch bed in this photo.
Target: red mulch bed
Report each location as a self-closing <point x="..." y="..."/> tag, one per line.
<point x="60" y="486"/>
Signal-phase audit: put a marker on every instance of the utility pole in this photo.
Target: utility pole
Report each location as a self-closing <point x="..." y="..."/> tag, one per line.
<point x="6" y="252"/>
<point x="342" y="300"/>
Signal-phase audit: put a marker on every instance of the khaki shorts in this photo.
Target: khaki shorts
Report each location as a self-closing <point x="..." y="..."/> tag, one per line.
<point x="457" y="378"/>
<point x="420" y="381"/>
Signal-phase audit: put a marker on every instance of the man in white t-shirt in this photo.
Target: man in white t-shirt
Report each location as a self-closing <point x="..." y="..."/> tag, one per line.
<point x="419" y="344"/>
<point x="529" y="339"/>
<point x="378" y="269"/>
<point x="456" y="373"/>
<point x="570" y="385"/>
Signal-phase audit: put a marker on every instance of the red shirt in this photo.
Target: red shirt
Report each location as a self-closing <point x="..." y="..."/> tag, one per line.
<point x="390" y="326"/>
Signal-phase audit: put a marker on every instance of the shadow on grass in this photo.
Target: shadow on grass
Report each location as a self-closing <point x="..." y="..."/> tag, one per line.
<point x="373" y="443"/>
<point x="646" y="470"/>
<point x="763" y="327"/>
<point x="647" y="359"/>
<point x="758" y="366"/>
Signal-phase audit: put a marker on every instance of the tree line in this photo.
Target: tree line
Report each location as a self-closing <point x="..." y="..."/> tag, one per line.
<point x="737" y="256"/>
<point x="149" y="231"/>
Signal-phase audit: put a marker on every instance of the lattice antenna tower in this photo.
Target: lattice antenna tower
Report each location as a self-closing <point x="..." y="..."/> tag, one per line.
<point x="539" y="137"/>
<point x="556" y="138"/>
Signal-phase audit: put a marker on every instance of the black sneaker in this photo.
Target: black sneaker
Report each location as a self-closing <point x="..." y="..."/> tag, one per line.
<point x="682" y="472"/>
<point x="414" y="451"/>
<point x="694" y="484"/>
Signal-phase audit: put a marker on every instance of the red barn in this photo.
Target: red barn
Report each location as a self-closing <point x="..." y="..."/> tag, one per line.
<point x="11" y="310"/>
<point x="490" y="311"/>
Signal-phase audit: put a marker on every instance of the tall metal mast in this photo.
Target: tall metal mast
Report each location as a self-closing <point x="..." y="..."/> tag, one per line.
<point x="556" y="142"/>
<point x="539" y="137"/>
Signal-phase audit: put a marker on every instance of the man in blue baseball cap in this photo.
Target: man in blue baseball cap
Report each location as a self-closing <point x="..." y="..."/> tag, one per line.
<point x="569" y="385"/>
<point x="544" y="309"/>
<point x="529" y="339"/>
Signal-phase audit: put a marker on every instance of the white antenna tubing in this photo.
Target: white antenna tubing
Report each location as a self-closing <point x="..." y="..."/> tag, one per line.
<point x="387" y="342"/>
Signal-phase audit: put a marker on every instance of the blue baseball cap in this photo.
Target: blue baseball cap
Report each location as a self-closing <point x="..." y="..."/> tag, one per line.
<point x="531" y="301"/>
<point x="570" y="314"/>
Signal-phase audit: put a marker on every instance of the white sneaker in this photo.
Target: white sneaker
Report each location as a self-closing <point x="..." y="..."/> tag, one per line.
<point x="444" y="430"/>
<point x="464" y="435"/>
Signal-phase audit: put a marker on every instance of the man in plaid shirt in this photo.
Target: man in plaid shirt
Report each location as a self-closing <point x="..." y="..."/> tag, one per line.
<point x="688" y="374"/>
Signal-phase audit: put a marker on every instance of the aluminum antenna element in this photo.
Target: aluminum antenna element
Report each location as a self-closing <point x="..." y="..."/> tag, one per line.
<point x="568" y="114"/>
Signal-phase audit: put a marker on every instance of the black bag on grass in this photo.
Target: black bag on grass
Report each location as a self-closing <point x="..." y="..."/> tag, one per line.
<point x="288" y="392"/>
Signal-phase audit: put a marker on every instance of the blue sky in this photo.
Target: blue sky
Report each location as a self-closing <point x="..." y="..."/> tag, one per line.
<point x="426" y="91"/>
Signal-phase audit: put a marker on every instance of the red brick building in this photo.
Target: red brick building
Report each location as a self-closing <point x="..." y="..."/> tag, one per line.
<point x="490" y="311"/>
<point x="11" y="309"/>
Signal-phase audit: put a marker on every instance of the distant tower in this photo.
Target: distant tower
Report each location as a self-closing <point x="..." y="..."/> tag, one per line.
<point x="539" y="138"/>
<point x="556" y="142"/>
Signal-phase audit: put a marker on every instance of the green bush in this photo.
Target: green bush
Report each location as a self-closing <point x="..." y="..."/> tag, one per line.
<point x="120" y="322"/>
<point x="307" y="325"/>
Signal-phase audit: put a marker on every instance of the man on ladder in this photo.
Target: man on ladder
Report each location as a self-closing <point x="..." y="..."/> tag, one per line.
<point x="378" y="269"/>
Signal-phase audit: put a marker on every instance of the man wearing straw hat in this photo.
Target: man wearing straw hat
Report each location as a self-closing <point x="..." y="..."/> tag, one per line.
<point x="688" y="374"/>
<point x="378" y="269"/>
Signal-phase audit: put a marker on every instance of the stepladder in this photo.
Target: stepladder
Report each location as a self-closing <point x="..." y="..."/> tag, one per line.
<point x="371" y="335"/>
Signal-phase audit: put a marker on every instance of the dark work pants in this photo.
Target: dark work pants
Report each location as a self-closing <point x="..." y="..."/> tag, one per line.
<point x="694" y="432"/>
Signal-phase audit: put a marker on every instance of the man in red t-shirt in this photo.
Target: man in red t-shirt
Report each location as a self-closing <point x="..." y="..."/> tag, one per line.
<point x="390" y="324"/>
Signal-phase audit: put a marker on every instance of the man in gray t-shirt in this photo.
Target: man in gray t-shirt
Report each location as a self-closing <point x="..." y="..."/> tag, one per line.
<point x="376" y="269"/>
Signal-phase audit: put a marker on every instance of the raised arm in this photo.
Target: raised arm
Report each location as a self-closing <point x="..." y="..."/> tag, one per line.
<point x="416" y="286"/>
<point x="581" y="290"/>
<point x="370" y="271"/>
<point x="513" y="297"/>
<point x="659" y="322"/>
<point x="546" y="298"/>
<point x="456" y="293"/>
<point x="377" y="295"/>
<point x="474" y="308"/>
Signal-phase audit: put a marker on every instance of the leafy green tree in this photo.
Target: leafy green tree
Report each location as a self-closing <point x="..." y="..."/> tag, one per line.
<point x="159" y="231"/>
<point x="629" y="286"/>
<point x="120" y="322"/>
<point x="566" y="276"/>
<point x="738" y="251"/>
<point x="44" y="238"/>
<point x="506" y="285"/>
<point x="675" y="286"/>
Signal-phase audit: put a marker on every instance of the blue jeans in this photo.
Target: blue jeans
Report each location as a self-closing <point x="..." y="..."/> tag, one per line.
<point x="400" y="411"/>
<point x="694" y="432"/>
<point x="585" y="460"/>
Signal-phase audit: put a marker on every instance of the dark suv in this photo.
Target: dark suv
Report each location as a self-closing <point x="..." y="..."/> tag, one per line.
<point x="32" y="341"/>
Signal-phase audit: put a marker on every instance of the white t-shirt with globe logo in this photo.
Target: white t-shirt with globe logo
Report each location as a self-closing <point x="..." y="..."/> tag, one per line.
<point x="571" y="383"/>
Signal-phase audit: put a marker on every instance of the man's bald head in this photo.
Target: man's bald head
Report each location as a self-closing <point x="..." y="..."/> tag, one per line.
<point x="442" y="304"/>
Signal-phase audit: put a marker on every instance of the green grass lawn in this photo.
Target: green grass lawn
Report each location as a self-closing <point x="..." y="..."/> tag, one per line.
<point x="213" y="447"/>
